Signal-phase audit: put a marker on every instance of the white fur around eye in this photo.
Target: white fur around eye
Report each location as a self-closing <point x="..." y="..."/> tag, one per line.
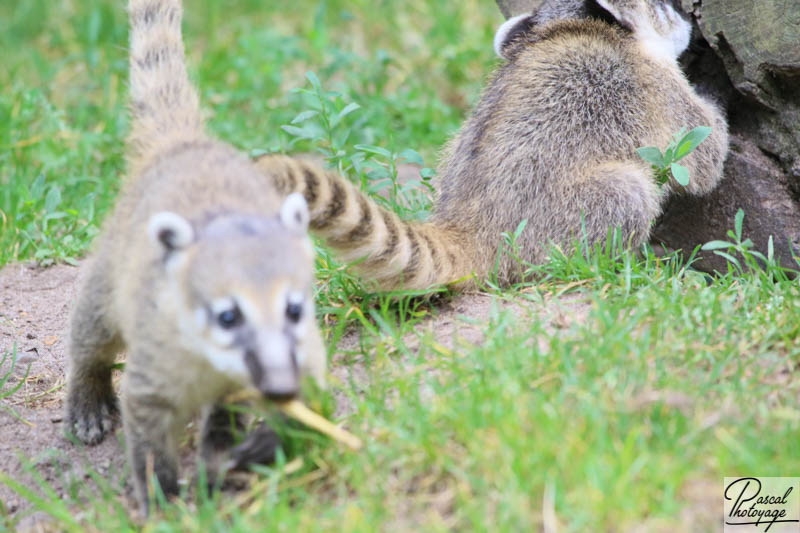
<point x="279" y="304"/>
<point x="221" y="305"/>
<point x="200" y="318"/>
<point x="295" y="297"/>
<point x="222" y="337"/>
<point x="301" y="328"/>
<point x="227" y="362"/>
<point x="251" y="312"/>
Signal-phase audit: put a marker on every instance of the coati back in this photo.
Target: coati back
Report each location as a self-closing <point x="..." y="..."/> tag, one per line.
<point x="202" y="273"/>
<point x="551" y="141"/>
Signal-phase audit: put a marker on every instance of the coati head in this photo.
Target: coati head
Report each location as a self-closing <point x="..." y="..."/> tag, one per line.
<point x="658" y="24"/>
<point x="243" y="286"/>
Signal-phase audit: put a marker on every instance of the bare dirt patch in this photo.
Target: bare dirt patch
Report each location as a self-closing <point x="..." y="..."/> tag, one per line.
<point x="34" y="308"/>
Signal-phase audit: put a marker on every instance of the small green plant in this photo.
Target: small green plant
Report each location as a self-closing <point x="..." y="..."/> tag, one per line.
<point x="726" y="249"/>
<point x="666" y="164"/>
<point x="373" y="168"/>
<point x="766" y="266"/>
<point x="7" y="392"/>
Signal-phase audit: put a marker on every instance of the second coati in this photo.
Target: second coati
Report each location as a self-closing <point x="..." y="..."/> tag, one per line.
<point x="552" y="141"/>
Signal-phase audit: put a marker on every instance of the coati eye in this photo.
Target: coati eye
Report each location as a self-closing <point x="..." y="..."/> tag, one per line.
<point x="294" y="311"/>
<point x="230" y="318"/>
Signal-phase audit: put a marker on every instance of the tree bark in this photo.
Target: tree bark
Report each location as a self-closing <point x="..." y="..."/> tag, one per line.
<point x="746" y="55"/>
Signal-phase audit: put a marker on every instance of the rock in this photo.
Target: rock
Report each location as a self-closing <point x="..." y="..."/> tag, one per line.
<point x="753" y="182"/>
<point x="745" y="54"/>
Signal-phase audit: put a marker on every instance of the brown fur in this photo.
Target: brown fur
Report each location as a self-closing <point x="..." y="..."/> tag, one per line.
<point x="551" y="141"/>
<point x="222" y="243"/>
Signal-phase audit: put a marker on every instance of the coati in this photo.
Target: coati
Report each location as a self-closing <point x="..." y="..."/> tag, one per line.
<point x="552" y="141"/>
<point x="203" y="273"/>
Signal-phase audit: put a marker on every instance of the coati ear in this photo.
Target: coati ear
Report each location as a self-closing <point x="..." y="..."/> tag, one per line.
<point x="294" y="213"/>
<point x="170" y="231"/>
<point x="510" y="29"/>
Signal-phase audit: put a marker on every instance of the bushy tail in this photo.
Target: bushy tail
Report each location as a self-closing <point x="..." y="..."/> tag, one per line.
<point x="164" y="106"/>
<point x="393" y="253"/>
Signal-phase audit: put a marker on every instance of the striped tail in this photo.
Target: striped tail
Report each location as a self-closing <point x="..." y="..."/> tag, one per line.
<point x="164" y="106"/>
<point x="393" y="253"/>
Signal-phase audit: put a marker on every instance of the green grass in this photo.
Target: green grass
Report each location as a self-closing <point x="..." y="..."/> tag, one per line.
<point x="668" y="381"/>
<point x="8" y="364"/>
<point x="63" y="77"/>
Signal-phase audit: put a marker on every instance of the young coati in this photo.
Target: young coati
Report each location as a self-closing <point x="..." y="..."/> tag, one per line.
<point x="202" y="274"/>
<point x="552" y="141"/>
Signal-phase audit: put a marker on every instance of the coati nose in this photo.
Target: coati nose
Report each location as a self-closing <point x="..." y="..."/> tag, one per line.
<point x="277" y="382"/>
<point x="280" y="398"/>
<point x="280" y="384"/>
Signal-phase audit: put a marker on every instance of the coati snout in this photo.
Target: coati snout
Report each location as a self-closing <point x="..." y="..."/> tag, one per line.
<point x="254" y="336"/>
<point x="277" y="383"/>
<point x="272" y="364"/>
<point x="258" y="345"/>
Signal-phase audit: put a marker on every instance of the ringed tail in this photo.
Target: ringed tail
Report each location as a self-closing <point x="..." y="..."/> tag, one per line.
<point x="392" y="253"/>
<point x="165" y="109"/>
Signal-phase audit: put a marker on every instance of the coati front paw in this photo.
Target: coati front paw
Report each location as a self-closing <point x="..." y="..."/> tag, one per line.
<point x="218" y="450"/>
<point x="258" y="448"/>
<point x="90" y="421"/>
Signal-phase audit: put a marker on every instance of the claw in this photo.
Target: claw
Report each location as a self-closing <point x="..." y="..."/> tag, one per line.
<point x="92" y="423"/>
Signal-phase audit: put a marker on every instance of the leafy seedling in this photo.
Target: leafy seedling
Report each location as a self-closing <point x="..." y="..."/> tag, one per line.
<point x="666" y="164"/>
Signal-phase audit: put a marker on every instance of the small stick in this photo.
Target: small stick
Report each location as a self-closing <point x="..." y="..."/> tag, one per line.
<point x="297" y="410"/>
